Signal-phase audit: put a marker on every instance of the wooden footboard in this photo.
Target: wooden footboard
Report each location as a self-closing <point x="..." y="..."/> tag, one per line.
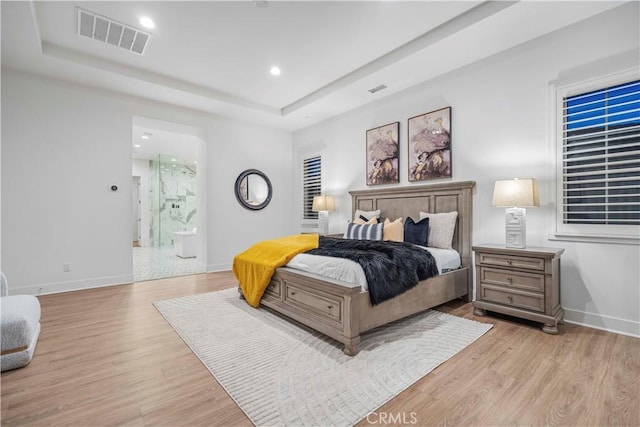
<point x="343" y="312"/>
<point x="322" y="304"/>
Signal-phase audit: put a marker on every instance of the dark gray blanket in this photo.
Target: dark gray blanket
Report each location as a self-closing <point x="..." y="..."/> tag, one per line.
<point x="391" y="268"/>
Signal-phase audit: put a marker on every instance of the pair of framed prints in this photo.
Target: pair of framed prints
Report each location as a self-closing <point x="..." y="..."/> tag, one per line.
<point x="429" y="149"/>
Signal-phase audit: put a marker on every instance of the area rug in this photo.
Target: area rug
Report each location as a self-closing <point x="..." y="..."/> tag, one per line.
<point x="281" y="373"/>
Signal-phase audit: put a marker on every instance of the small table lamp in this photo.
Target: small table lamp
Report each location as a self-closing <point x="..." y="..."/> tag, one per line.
<point x="323" y="205"/>
<point x="515" y="195"/>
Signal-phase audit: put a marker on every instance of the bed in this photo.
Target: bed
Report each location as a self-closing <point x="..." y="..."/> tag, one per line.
<point x="342" y="310"/>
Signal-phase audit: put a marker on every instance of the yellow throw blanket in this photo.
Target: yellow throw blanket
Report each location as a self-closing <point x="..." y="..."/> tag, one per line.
<point x="254" y="267"/>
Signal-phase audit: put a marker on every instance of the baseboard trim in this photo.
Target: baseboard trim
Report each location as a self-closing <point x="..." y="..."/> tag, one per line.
<point x="214" y="268"/>
<point x="602" y="322"/>
<point x="76" y="285"/>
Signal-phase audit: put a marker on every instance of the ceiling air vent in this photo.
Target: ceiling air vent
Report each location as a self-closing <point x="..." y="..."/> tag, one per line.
<point x="112" y="32"/>
<point x="377" y="89"/>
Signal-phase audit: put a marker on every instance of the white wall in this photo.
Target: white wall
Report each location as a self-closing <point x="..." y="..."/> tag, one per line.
<point x="64" y="145"/>
<point x="500" y="118"/>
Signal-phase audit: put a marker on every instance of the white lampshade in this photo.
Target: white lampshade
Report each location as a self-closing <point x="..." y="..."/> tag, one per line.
<point x="516" y="193"/>
<point x="323" y="203"/>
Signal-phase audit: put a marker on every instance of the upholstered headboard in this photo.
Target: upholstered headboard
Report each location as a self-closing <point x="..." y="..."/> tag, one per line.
<point x="402" y="202"/>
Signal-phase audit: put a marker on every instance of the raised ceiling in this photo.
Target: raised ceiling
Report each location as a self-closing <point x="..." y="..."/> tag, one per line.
<point x="215" y="56"/>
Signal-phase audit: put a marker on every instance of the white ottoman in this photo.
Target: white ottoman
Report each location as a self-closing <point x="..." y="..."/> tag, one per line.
<point x="19" y="328"/>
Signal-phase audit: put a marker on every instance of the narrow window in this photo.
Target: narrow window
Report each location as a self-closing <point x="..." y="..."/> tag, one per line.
<point x="311" y="185"/>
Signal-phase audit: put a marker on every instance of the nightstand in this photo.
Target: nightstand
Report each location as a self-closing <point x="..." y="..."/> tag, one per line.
<point x="523" y="283"/>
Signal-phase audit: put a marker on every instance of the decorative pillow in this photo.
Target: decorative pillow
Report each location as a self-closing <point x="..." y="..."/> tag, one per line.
<point x="364" y="231"/>
<point x="416" y="232"/>
<point x="366" y="214"/>
<point x="363" y="220"/>
<point x="393" y="230"/>
<point x="441" y="228"/>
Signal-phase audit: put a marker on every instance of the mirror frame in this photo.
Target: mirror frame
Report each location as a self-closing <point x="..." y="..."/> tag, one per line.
<point x="244" y="203"/>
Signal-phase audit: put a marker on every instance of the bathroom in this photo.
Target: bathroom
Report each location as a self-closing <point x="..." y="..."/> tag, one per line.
<point x="166" y="180"/>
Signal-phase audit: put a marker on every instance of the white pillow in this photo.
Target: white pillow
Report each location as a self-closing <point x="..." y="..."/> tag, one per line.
<point x="367" y="214"/>
<point x="441" y="228"/>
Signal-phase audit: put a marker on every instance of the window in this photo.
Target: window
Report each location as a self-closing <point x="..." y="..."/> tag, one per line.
<point x="311" y="185"/>
<point x="599" y="160"/>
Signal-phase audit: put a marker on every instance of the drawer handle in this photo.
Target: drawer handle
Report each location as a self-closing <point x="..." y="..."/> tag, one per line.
<point x="329" y="307"/>
<point x="510" y="298"/>
<point x="293" y="293"/>
<point x="510" y="279"/>
<point x="509" y="262"/>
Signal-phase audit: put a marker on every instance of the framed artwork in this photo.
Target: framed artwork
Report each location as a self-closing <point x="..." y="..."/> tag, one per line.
<point x="382" y="154"/>
<point x="429" y="139"/>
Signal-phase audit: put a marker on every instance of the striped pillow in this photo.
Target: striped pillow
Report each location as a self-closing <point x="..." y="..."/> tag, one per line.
<point x="364" y="231"/>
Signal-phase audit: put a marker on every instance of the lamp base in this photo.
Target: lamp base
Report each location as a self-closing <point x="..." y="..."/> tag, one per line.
<point x="516" y="228"/>
<point x="323" y="222"/>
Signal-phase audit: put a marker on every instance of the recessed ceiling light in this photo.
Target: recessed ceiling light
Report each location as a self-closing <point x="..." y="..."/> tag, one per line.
<point x="146" y="22"/>
<point x="146" y="135"/>
<point x="137" y="145"/>
<point x="173" y="160"/>
<point x="275" y="71"/>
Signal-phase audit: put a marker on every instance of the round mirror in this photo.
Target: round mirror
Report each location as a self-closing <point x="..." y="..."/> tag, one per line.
<point x="253" y="189"/>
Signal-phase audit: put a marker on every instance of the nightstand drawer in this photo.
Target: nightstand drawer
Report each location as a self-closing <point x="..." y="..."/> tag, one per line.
<point x="521" y="299"/>
<point x="511" y="261"/>
<point x="515" y="279"/>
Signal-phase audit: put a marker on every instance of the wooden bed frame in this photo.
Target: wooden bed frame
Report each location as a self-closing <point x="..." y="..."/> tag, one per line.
<point x="341" y="310"/>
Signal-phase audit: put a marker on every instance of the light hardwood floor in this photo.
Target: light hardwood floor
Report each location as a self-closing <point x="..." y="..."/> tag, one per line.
<point x="106" y="357"/>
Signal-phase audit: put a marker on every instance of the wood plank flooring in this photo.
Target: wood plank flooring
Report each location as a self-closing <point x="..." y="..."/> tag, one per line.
<point x="107" y="357"/>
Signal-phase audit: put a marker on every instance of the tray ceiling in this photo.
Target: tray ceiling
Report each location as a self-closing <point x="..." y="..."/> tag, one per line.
<point x="215" y="56"/>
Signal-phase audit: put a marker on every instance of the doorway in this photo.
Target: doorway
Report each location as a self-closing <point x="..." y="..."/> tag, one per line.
<point x="171" y="223"/>
<point x="135" y="212"/>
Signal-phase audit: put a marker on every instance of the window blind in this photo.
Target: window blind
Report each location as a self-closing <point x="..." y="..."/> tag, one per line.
<point x="601" y="156"/>
<point x="311" y="185"/>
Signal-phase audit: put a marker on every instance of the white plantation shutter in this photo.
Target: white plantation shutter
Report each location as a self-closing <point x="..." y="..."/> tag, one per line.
<point x="601" y="156"/>
<point x="311" y="185"/>
<point x="599" y="160"/>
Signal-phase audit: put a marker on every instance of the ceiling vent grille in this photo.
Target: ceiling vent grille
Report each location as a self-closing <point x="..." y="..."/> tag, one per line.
<point x="112" y="32"/>
<point x="377" y="89"/>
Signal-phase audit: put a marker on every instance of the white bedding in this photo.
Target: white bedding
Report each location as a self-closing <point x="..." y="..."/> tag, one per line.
<point x="349" y="271"/>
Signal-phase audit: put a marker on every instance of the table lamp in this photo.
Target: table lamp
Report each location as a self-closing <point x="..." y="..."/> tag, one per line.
<point x="516" y="195"/>
<point x="323" y="205"/>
